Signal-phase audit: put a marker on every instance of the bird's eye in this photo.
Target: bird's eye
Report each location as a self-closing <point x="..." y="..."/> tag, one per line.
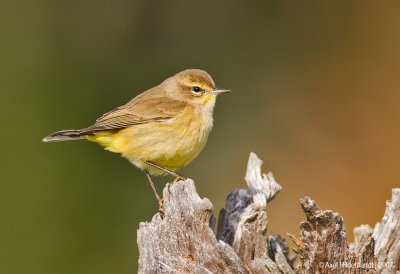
<point x="196" y="89"/>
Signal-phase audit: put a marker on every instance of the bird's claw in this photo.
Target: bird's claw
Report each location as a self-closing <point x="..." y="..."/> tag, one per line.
<point x="177" y="178"/>
<point x="161" y="207"/>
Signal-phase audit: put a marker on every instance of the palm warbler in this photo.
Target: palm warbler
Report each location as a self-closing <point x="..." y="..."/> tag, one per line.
<point x="159" y="131"/>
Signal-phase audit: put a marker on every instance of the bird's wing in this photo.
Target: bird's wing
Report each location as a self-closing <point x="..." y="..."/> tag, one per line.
<point x="141" y="111"/>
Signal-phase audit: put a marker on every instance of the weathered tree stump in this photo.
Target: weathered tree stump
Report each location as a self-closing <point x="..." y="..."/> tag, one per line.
<point x="184" y="240"/>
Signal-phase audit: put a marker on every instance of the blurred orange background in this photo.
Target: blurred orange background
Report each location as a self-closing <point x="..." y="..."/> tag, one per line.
<point x="315" y="95"/>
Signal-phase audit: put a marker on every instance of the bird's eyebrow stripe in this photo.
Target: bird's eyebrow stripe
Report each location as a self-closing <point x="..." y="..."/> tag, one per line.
<point x="201" y="85"/>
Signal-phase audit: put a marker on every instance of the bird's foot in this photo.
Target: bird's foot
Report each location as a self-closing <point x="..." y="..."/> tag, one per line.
<point x="161" y="207"/>
<point x="177" y="178"/>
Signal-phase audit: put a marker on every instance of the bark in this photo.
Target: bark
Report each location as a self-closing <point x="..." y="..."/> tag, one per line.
<point x="387" y="235"/>
<point x="184" y="241"/>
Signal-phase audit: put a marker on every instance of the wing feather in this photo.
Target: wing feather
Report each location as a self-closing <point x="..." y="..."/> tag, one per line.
<point x="140" y="110"/>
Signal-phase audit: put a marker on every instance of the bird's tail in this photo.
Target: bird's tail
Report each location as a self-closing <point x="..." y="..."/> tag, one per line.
<point x="64" y="135"/>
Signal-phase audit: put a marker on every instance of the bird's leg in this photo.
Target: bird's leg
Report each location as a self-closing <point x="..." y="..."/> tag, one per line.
<point x="160" y="200"/>
<point x="176" y="175"/>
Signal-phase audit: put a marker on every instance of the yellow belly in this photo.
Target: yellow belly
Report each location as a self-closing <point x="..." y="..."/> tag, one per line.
<point x="170" y="144"/>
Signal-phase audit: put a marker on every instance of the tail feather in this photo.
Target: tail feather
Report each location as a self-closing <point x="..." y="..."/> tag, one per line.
<point x="64" y="135"/>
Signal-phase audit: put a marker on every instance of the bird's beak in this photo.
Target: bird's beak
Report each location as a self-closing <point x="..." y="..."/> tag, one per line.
<point x="219" y="91"/>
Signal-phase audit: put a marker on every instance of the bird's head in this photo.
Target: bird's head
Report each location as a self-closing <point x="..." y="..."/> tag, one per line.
<point x="194" y="86"/>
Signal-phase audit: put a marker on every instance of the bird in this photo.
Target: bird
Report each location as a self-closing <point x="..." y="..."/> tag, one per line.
<point x="160" y="130"/>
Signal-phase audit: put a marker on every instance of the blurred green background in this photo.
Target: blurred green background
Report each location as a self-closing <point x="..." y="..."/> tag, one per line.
<point x="315" y="95"/>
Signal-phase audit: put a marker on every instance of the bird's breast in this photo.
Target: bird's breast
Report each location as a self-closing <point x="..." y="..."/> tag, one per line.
<point x="172" y="144"/>
<point x="188" y="134"/>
